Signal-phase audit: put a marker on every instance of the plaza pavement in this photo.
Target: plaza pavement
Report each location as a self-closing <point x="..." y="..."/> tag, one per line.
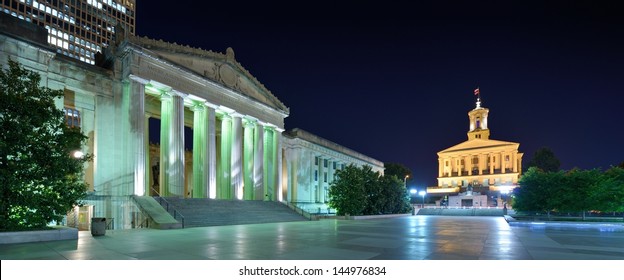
<point x="398" y="238"/>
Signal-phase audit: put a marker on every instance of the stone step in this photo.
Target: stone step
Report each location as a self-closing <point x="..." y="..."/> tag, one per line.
<point x="200" y="212"/>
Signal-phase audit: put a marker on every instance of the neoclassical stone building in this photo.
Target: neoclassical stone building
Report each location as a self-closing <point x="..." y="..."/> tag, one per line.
<point x="311" y="164"/>
<point x="480" y="163"/>
<point x="235" y="124"/>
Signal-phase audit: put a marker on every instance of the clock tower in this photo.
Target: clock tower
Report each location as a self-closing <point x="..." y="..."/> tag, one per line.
<point x="478" y="122"/>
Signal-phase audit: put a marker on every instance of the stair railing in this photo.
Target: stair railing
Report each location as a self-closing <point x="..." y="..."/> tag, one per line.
<point x="165" y="204"/>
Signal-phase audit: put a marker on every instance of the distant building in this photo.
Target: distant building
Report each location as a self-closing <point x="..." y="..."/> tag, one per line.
<point x="78" y="29"/>
<point x="478" y="166"/>
<point x="311" y="165"/>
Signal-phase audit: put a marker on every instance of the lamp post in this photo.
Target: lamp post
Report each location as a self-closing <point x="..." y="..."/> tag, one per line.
<point x="422" y="193"/>
<point x="405" y="181"/>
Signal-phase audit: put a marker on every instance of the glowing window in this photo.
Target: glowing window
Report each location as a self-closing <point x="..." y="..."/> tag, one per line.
<point x="72" y="117"/>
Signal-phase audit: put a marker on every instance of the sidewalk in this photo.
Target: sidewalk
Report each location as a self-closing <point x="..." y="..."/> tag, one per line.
<point x="399" y="238"/>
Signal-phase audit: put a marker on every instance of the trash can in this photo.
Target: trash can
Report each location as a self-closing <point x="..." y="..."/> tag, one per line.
<point x="98" y="226"/>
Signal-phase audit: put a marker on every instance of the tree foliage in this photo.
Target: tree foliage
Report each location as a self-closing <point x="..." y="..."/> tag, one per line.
<point x="609" y="191"/>
<point x="573" y="191"/>
<point x="39" y="180"/>
<point x="545" y="159"/>
<point x="397" y="169"/>
<point x="347" y="194"/>
<point x="360" y="191"/>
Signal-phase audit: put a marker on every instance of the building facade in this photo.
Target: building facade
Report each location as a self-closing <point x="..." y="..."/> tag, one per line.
<point x="76" y="28"/>
<point x="480" y="164"/>
<point x="183" y="95"/>
<point x="311" y="165"/>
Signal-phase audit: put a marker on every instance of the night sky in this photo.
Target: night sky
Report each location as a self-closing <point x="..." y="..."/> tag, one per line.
<point x="395" y="82"/>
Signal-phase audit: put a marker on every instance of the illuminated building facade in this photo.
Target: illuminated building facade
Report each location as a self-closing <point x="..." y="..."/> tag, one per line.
<point x="238" y="151"/>
<point x="480" y="164"/>
<point x="76" y="28"/>
<point x="311" y="165"/>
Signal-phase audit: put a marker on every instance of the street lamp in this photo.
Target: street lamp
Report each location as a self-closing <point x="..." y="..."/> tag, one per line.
<point x="78" y="154"/>
<point x="422" y="193"/>
<point x="405" y="180"/>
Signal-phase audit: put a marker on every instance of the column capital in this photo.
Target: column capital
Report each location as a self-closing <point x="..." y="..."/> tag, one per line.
<point x="138" y="79"/>
<point x="249" y="123"/>
<point x="198" y="107"/>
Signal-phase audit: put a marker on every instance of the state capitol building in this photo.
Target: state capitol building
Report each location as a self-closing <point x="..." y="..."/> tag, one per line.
<point x="478" y="171"/>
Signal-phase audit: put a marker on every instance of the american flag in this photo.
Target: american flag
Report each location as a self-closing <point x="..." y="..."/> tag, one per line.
<point x="476" y="91"/>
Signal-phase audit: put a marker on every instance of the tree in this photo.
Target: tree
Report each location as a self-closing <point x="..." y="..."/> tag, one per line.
<point x="544" y="159"/>
<point x="347" y="193"/>
<point x="361" y="191"/>
<point x="397" y="169"/>
<point x="575" y="192"/>
<point x="395" y="196"/>
<point x="608" y="193"/>
<point x="539" y="191"/>
<point x="39" y="179"/>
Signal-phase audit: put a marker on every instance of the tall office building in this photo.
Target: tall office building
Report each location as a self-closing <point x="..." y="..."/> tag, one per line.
<point x="78" y="28"/>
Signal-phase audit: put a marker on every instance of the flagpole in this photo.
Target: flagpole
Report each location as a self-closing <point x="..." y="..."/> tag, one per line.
<point x="477" y="92"/>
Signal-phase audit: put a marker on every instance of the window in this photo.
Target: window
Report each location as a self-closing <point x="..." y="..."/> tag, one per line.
<point x="316" y="159"/>
<point x="72" y="117"/>
<point x="315" y="175"/>
<point x="507" y="158"/>
<point x="325" y="177"/>
<point x="325" y="163"/>
<point x="334" y="165"/>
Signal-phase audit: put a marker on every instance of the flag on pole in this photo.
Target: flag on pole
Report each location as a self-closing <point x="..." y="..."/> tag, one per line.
<point x="476" y="91"/>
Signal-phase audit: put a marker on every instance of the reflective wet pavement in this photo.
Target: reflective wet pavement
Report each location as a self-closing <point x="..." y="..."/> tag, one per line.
<point x="401" y="238"/>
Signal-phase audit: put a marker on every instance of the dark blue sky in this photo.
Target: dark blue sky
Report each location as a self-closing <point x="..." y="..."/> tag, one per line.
<point x="395" y="81"/>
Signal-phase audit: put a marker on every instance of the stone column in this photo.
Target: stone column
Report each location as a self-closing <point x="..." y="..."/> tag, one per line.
<point x="248" y="159"/>
<point x="258" y="158"/>
<point x="278" y="168"/>
<point x="200" y="151"/>
<point x="224" y="190"/>
<point x="503" y="163"/>
<point x="172" y="144"/>
<point x="269" y="163"/>
<point x="491" y="155"/>
<point x="137" y="150"/>
<point x="321" y="179"/>
<point x="514" y="160"/>
<point x="468" y="164"/>
<point x="212" y="152"/>
<point x="237" y="156"/>
<point x="481" y="164"/>
<point x="292" y="156"/>
<point x="440" y="167"/>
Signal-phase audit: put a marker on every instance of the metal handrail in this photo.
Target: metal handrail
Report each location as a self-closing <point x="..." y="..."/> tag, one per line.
<point x="175" y="213"/>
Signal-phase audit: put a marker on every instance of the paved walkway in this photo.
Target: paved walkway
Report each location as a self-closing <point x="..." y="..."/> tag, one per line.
<point x="401" y="238"/>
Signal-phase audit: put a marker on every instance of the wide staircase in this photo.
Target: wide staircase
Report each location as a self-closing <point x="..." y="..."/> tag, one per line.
<point x="461" y="212"/>
<point x="203" y="212"/>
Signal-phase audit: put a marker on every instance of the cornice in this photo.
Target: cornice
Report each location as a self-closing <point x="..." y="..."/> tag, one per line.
<point x="228" y="58"/>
